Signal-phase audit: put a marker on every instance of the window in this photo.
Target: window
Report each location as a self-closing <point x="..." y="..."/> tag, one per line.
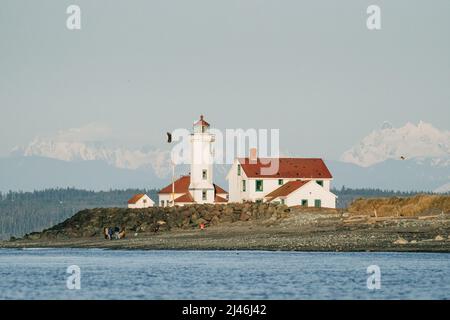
<point x="280" y="182"/>
<point x="204" y="195"/>
<point x="304" y="203"/>
<point x="162" y="203"/>
<point x="320" y="182"/>
<point x="282" y="201"/>
<point x="258" y="201"/>
<point x="317" y="203"/>
<point x="259" y="185"/>
<point x="244" y="185"/>
<point x="144" y="201"/>
<point x="239" y="169"/>
<point x="205" y="174"/>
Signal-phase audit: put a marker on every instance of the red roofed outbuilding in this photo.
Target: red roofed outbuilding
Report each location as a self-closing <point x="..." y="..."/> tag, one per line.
<point x="139" y="201"/>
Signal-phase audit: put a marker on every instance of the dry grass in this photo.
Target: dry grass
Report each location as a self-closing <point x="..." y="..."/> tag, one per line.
<point x="402" y="207"/>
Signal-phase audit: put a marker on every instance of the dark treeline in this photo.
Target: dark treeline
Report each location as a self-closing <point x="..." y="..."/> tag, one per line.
<point x="24" y="212"/>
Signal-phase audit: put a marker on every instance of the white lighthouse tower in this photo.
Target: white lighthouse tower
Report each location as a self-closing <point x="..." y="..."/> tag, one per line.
<point x="202" y="157"/>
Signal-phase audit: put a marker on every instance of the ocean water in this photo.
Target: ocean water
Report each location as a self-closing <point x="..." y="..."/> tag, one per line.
<point x="107" y="274"/>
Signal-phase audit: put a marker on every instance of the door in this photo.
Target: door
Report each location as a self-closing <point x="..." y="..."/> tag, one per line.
<point x="317" y="203"/>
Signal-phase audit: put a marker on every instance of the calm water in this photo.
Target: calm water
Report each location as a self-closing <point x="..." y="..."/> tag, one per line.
<point x="41" y="274"/>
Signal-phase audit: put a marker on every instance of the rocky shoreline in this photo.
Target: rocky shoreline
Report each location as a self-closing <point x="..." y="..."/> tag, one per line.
<point x="248" y="239"/>
<point x="250" y="227"/>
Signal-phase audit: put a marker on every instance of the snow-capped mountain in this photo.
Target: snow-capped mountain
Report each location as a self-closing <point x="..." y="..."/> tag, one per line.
<point x="443" y="189"/>
<point x="84" y="158"/>
<point x="421" y="143"/>
<point x="87" y="157"/>
<point x="158" y="160"/>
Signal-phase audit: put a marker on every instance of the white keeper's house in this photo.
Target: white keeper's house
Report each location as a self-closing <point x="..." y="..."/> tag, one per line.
<point x="297" y="182"/>
<point x="198" y="186"/>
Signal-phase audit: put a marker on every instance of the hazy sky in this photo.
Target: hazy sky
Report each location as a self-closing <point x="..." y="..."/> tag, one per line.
<point x="140" y="68"/>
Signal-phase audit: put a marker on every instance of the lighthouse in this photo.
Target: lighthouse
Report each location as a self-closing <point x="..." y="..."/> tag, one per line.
<point x="201" y="186"/>
<point x="198" y="187"/>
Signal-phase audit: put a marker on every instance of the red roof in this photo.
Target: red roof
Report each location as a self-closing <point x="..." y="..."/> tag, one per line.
<point x="312" y="168"/>
<point x="182" y="186"/>
<point x="220" y="199"/>
<point x="286" y="189"/>
<point x="135" y="198"/>
<point x="201" y="122"/>
<point x="219" y="190"/>
<point x="185" y="198"/>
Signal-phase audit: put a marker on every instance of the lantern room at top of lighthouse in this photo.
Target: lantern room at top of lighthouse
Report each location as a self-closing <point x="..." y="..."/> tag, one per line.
<point x="201" y="126"/>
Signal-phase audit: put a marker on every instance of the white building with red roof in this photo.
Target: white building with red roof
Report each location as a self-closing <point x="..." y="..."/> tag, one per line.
<point x="294" y="181"/>
<point x="198" y="186"/>
<point x="139" y="201"/>
<point x="183" y="195"/>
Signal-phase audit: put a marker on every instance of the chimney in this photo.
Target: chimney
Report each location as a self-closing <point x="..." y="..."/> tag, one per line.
<point x="253" y="155"/>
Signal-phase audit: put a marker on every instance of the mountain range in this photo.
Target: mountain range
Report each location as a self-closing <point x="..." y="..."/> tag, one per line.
<point x="96" y="151"/>
<point x="409" y="158"/>
<point x="422" y="143"/>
